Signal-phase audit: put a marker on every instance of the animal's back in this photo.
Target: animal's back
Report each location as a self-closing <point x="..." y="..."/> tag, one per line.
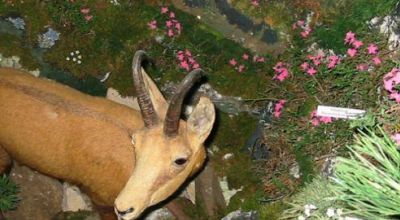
<point x="64" y="133"/>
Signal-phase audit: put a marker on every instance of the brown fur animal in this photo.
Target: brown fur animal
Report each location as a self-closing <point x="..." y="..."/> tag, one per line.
<point x="117" y="155"/>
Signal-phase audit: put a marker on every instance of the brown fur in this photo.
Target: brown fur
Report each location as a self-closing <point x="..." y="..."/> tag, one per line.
<point x="29" y="111"/>
<point x="5" y="161"/>
<point x="99" y="144"/>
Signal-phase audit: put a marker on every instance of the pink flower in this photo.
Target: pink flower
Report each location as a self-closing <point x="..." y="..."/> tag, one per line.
<point x="314" y="114"/>
<point x="181" y="56"/>
<point x="277" y="66"/>
<point x="164" y="10"/>
<point x="317" y="62"/>
<point x="304" y="66"/>
<point x="260" y="60"/>
<point x="172" y="14"/>
<point x="362" y="67"/>
<point x="315" y="122"/>
<point x="331" y="65"/>
<point x="185" y="65"/>
<point x="178" y="27"/>
<point x="311" y="71"/>
<point x="372" y="49"/>
<point x="351" y="52"/>
<point x="85" y="10"/>
<point x="294" y="26"/>
<point x="305" y="33"/>
<point x="395" y="96"/>
<point x="350" y="37"/>
<point x="396" y="138"/>
<point x="170" y="33"/>
<point x="232" y="62"/>
<point x="357" y="44"/>
<point x="277" y="114"/>
<point x="325" y="120"/>
<point x="281" y="72"/>
<point x="152" y="24"/>
<point x="333" y="58"/>
<point x="196" y="66"/>
<point x="278" y="108"/>
<point x="391" y="79"/>
<point x="282" y="75"/>
<point x="191" y="60"/>
<point x="376" y="60"/>
<point x="186" y="60"/>
<point x="240" y="68"/>
<point x="245" y="56"/>
<point x="333" y="61"/>
<point x="300" y="22"/>
<point x="88" y="17"/>
<point x="255" y="3"/>
<point x="168" y="24"/>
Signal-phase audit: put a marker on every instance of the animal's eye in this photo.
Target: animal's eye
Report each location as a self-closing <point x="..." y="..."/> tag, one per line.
<point x="180" y="161"/>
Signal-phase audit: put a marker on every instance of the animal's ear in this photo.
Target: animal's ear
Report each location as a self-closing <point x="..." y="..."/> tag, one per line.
<point x="158" y="100"/>
<point x="201" y="120"/>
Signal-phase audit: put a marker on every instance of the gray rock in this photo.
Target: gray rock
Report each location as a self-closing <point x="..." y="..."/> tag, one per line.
<point x="48" y="39"/>
<point x="40" y="195"/>
<point x="13" y="62"/>
<point x="389" y="26"/>
<point x="74" y="200"/>
<point x="240" y="215"/>
<point x="18" y="23"/>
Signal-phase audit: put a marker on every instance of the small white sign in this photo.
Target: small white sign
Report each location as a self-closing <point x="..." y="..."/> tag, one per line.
<point x="336" y="112"/>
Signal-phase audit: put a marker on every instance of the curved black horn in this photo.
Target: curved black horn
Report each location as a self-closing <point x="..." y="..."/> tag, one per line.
<point x="149" y="115"/>
<point x="171" y="123"/>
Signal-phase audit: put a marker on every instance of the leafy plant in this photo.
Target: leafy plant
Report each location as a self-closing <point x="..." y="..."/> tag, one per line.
<point x="8" y="194"/>
<point x="369" y="181"/>
<point x="318" y="193"/>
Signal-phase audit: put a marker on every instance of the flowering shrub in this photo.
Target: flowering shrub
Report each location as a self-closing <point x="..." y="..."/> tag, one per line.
<point x="278" y="108"/>
<point x="245" y="58"/>
<point x="390" y="81"/>
<point x="187" y="61"/>
<point x="172" y="26"/>
<point x="281" y="71"/>
<point x="317" y="120"/>
<point x="305" y="28"/>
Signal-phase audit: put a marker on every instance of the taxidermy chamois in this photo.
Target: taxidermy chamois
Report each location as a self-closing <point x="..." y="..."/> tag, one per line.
<point x="118" y="155"/>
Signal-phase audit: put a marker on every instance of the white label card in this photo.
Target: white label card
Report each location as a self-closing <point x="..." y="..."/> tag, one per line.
<point x="336" y="112"/>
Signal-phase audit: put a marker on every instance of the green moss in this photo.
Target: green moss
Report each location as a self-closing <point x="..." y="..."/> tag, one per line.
<point x="14" y="46"/>
<point x="272" y="210"/>
<point x="233" y="131"/>
<point x="349" y="15"/>
<point x="80" y="215"/>
<point x="306" y="164"/>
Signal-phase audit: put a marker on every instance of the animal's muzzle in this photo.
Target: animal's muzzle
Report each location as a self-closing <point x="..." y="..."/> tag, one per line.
<point x="121" y="214"/>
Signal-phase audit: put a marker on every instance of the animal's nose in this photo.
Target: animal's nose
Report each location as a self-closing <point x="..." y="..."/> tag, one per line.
<point x="122" y="213"/>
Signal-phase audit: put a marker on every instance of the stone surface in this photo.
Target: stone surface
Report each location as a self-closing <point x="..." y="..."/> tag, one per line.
<point x="257" y="36"/>
<point x="226" y="191"/>
<point x="13" y="62"/>
<point x="74" y="200"/>
<point x="48" y="39"/>
<point x="40" y="195"/>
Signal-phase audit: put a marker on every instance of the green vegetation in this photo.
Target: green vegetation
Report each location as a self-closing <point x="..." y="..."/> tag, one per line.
<point x="369" y="180"/>
<point x="8" y="194"/>
<point x="366" y="184"/>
